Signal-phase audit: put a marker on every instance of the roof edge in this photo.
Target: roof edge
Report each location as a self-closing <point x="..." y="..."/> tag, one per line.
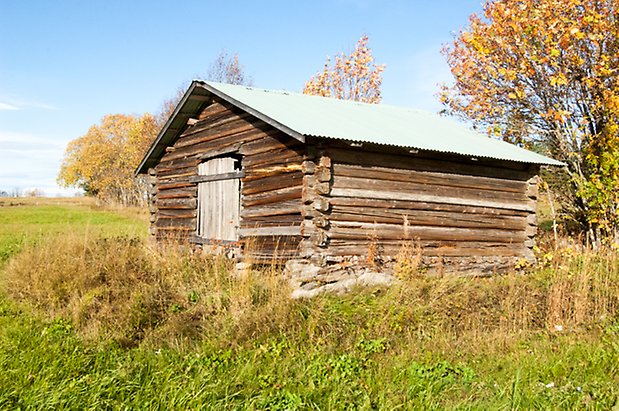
<point x="195" y="84"/>
<point x="141" y="168"/>
<point x="270" y="121"/>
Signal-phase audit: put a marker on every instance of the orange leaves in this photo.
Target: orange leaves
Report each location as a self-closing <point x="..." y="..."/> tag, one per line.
<point x="353" y="77"/>
<point x="545" y="71"/>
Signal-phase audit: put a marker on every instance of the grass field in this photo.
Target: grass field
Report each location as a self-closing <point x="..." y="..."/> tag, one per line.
<point x="92" y="317"/>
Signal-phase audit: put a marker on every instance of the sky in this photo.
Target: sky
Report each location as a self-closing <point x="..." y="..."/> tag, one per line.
<point x="65" y="64"/>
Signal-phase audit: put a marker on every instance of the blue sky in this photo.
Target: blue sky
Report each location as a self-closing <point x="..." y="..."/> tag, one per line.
<point x="65" y="64"/>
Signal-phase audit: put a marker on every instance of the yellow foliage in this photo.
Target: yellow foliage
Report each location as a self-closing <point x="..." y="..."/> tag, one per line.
<point x="544" y="72"/>
<point x="353" y="77"/>
<point x="103" y="161"/>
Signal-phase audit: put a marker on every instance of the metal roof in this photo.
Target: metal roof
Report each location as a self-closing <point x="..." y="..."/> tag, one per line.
<point x="301" y="115"/>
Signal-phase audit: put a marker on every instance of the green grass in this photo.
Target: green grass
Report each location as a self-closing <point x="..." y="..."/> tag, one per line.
<point x="224" y="343"/>
<point x="29" y="222"/>
<point x="46" y="366"/>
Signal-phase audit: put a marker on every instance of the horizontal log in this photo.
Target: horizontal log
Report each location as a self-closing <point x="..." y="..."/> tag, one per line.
<point x="432" y="178"/>
<point x="272" y="182"/>
<point x="173" y="175"/>
<point x="358" y="231"/>
<point x="177" y="203"/>
<point x="174" y="214"/>
<point x="377" y="159"/>
<point x="287" y="207"/>
<point x="207" y="130"/>
<point x="283" y="156"/>
<point x="216" y="143"/>
<point x="283" y="217"/>
<point x="177" y="222"/>
<point x="429" y="189"/>
<point x="276" y="172"/>
<point x="392" y="250"/>
<point x="178" y="193"/>
<point x="172" y="166"/>
<point x="393" y="195"/>
<point x="275" y="196"/>
<point x="213" y="109"/>
<point x="234" y="148"/>
<point x="277" y="141"/>
<point x="420" y="205"/>
<point x="275" y="221"/>
<point x="161" y="229"/>
<point x="423" y="217"/>
<point x="162" y="187"/>
<point x="270" y="231"/>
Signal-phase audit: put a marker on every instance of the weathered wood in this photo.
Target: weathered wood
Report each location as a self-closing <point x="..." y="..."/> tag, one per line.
<point x="283" y="156"/>
<point x="219" y="199"/>
<point x="234" y="148"/>
<point x="278" y="141"/>
<point x="377" y="159"/>
<point x="393" y="195"/>
<point x="321" y="204"/>
<point x="308" y="167"/>
<point x="420" y="205"/>
<point x="237" y="174"/>
<point x="205" y="131"/>
<point x="183" y="172"/>
<point x="178" y="184"/>
<point x="275" y="196"/>
<point x="482" y="250"/>
<point x="272" y="210"/>
<point x="354" y="230"/>
<point x="165" y="228"/>
<point x="429" y="218"/>
<point x="181" y="223"/>
<point x="217" y="142"/>
<point x="430" y="189"/>
<point x="213" y="109"/>
<point x="176" y="213"/>
<point x="427" y="177"/>
<point x="346" y="198"/>
<point x="175" y="165"/>
<point x="273" y="182"/>
<point x="178" y="193"/>
<point x="270" y="231"/>
<point x="177" y="203"/>
<point x="271" y="221"/>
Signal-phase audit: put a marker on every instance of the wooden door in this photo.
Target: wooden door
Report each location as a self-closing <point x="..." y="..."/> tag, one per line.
<point x="219" y="200"/>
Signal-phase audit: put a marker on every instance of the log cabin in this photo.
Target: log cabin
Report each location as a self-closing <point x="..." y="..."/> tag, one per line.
<point x="280" y="176"/>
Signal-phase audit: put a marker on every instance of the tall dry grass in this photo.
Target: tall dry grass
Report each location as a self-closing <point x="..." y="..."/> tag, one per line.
<point x="129" y="290"/>
<point x="133" y="291"/>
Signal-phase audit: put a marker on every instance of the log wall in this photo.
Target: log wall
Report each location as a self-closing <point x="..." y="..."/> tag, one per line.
<point x="270" y="189"/>
<point x="473" y="213"/>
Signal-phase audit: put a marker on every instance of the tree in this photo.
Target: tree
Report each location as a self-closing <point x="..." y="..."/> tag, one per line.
<point x="102" y="162"/>
<point x="352" y="77"/>
<point x="227" y="69"/>
<point x="224" y="69"/>
<point x="545" y="73"/>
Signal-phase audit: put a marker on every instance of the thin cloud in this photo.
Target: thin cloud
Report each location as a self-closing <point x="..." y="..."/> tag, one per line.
<point x="8" y="106"/>
<point x="13" y="104"/>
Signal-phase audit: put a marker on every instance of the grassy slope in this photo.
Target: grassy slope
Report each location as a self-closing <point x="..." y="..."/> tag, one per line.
<point x="367" y="350"/>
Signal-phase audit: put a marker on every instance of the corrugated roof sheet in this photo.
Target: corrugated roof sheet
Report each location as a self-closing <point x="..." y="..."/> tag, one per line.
<point x="371" y="123"/>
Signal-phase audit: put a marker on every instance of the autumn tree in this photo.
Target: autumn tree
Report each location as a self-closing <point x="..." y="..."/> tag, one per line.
<point x="545" y="73"/>
<point x="102" y="161"/>
<point x="226" y="68"/>
<point x="350" y="77"/>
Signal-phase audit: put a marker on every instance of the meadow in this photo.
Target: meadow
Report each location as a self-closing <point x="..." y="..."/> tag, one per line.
<point x="93" y="316"/>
